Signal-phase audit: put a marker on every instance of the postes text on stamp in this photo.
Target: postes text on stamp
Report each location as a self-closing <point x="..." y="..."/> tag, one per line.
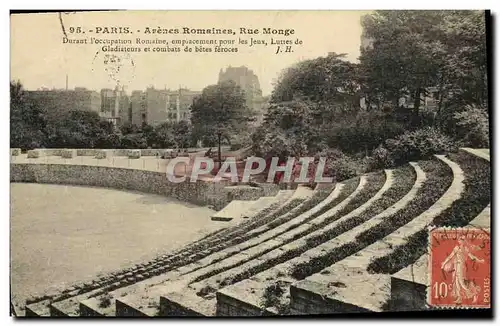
<point x="459" y="268"/>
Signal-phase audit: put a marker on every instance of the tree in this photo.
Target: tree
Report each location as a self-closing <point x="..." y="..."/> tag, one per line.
<point x="406" y="54"/>
<point x="221" y="110"/>
<point x="27" y="119"/>
<point x="326" y="79"/>
<point x="289" y="128"/>
<point x="411" y="51"/>
<point x="182" y="133"/>
<point x="129" y="128"/>
<point x="465" y="69"/>
<point x="79" y="129"/>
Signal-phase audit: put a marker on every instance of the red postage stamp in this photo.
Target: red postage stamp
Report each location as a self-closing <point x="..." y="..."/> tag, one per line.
<point x="459" y="268"/>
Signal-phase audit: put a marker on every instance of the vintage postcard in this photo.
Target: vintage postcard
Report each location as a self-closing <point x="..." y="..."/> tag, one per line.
<point x="250" y="163"/>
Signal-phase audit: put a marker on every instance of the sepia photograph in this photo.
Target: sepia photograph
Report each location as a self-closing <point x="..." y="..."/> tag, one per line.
<point x="264" y="163"/>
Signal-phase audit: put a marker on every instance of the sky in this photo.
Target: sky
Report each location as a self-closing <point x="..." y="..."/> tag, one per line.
<point x="39" y="58"/>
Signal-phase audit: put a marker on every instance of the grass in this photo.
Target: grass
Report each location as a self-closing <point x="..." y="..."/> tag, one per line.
<point x="404" y="179"/>
<point x="105" y="301"/>
<point x="272" y="297"/>
<point x="289" y="214"/>
<point x="206" y="291"/>
<point x="476" y="196"/>
<point x="349" y="187"/>
<point x="316" y="199"/>
<point x="374" y="184"/>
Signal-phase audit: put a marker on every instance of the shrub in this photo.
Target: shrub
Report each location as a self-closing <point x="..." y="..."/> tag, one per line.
<point x="363" y="131"/>
<point x="105" y="301"/>
<point x="473" y="126"/>
<point x="134" y="153"/>
<point x="340" y="166"/>
<point x="419" y="144"/>
<point x="380" y="159"/>
<point x="272" y="295"/>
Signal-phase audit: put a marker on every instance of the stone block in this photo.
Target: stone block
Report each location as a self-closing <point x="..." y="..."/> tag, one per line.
<point x="341" y="293"/>
<point x="134" y="153"/>
<point x="68" y="153"/>
<point x="34" y="153"/>
<point x="15" y="151"/>
<point x="166" y="154"/>
<point x="102" y="154"/>
<point x="86" y="152"/>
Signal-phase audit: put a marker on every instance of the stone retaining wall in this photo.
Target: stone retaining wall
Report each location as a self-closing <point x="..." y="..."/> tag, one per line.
<point x="200" y="193"/>
<point x="114" y="152"/>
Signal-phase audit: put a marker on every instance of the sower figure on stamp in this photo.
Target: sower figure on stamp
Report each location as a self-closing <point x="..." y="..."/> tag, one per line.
<point x="456" y="263"/>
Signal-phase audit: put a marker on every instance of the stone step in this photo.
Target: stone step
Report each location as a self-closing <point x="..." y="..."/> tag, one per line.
<point x="342" y="294"/>
<point x="259" y="205"/>
<point x="359" y="262"/>
<point x="242" y="301"/>
<point x="302" y="192"/>
<point x="148" y="284"/>
<point x="287" y="239"/>
<point x="234" y="210"/>
<point x="186" y="304"/>
<point x="483" y="153"/>
<point x="92" y="304"/>
<point x="297" y="220"/>
<point x="409" y="287"/>
<point x="245" y="208"/>
<point x="255" y="260"/>
<point x="282" y="272"/>
<point x="71" y="306"/>
<point x="256" y="257"/>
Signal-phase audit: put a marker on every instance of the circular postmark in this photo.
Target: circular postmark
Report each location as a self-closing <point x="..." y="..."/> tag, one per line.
<point x="118" y="68"/>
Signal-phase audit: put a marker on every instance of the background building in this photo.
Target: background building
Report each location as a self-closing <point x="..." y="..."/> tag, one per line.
<point x="249" y="83"/>
<point x="57" y="101"/>
<point x="247" y="80"/>
<point x="154" y="106"/>
<point x="115" y="106"/>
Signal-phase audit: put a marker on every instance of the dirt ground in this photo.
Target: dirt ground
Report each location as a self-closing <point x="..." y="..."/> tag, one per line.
<point x="64" y="234"/>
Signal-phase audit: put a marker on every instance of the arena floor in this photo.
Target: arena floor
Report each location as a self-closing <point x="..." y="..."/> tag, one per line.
<point x="63" y="234"/>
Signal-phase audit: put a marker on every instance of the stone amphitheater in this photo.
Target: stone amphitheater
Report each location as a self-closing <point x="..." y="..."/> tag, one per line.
<point x="356" y="246"/>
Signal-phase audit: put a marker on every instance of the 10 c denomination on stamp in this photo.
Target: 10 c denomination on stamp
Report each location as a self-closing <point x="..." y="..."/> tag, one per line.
<point x="459" y="268"/>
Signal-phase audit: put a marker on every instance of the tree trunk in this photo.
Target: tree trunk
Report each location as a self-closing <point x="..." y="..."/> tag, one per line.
<point x="219" y="138"/>
<point x="440" y="98"/>
<point x="416" y="107"/>
<point x="416" y="101"/>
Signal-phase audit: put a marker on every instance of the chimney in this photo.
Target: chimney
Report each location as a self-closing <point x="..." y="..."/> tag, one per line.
<point x="117" y="102"/>
<point x="66" y="81"/>
<point x="178" y="106"/>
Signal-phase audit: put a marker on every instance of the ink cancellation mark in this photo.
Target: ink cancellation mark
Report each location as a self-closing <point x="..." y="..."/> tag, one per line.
<point x="119" y="67"/>
<point x="459" y="268"/>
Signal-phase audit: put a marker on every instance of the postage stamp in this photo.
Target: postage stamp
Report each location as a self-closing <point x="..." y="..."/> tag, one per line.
<point x="459" y="268"/>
